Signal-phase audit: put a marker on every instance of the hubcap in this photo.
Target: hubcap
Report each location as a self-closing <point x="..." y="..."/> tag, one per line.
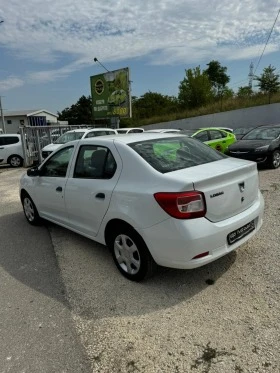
<point x="28" y="209"/>
<point x="276" y="160"/>
<point x="15" y="161"/>
<point x="127" y="254"/>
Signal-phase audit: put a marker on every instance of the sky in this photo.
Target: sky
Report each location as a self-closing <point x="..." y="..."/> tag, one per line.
<point x="47" y="47"/>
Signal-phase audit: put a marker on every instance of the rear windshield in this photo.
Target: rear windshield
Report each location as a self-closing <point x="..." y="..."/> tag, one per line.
<point x="175" y="153"/>
<point x="188" y="132"/>
<point x="269" y="133"/>
<point x="70" y="136"/>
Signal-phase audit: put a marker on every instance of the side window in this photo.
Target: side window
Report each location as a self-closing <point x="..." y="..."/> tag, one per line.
<point x="90" y="134"/>
<point x="11" y="140"/>
<point x="57" y="165"/>
<point x="135" y="131"/>
<point x="1" y="140"/>
<point x="215" y="135"/>
<point x="202" y="136"/>
<point x="94" y="162"/>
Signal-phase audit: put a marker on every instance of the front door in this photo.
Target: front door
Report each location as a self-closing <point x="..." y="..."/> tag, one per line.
<point x="50" y="186"/>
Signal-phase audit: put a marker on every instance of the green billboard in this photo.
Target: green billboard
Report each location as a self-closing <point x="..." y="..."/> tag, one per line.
<point x="111" y="94"/>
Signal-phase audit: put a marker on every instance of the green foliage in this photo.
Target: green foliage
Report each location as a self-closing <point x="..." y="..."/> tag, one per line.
<point x="244" y="92"/>
<point x="268" y="81"/>
<point x="194" y="89"/>
<point x="217" y="76"/>
<point x="79" y="113"/>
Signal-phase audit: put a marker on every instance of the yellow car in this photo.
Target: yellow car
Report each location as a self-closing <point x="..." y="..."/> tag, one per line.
<point x="215" y="137"/>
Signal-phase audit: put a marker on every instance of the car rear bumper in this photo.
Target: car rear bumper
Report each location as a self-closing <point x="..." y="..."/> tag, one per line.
<point x="174" y="243"/>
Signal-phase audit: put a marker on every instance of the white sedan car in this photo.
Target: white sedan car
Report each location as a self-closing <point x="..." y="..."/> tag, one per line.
<point x="162" y="198"/>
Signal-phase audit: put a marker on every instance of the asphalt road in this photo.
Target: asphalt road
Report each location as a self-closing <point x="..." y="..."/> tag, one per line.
<point x="37" y="332"/>
<point x="62" y="296"/>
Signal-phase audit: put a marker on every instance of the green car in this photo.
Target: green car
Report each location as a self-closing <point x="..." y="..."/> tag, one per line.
<point x="215" y="137"/>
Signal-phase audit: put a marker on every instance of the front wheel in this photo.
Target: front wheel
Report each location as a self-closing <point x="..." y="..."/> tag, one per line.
<point x="131" y="254"/>
<point x="30" y="210"/>
<point x="275" y="161"/>
<point x="15" y="161"/>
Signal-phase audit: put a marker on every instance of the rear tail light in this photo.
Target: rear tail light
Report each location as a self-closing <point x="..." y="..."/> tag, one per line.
<point x="182" y="205"/>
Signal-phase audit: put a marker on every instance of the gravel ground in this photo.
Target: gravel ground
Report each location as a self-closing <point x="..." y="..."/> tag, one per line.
<point x="221" y="318"/>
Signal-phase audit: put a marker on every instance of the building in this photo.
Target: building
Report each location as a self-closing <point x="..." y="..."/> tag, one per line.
<point x="15" y="119"/>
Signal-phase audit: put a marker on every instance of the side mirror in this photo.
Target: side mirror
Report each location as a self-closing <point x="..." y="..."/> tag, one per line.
<point x="33" y="172"/>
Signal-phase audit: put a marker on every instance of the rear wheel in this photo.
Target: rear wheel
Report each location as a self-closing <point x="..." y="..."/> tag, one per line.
<point x="15" y="161"/>
<point x="30" y="210"/>
<point x="131" y="254"/>
<point x="275" y="161"/>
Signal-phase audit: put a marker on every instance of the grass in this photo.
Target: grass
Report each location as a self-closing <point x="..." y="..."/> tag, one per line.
<point x="216" y="107"/>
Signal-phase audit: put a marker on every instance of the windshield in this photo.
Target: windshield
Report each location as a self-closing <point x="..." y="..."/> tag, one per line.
<point x="242" y="131"/>
<point x="70" y="136"/>
<point x="175" y="153"/>
<point x="268" y="133"/>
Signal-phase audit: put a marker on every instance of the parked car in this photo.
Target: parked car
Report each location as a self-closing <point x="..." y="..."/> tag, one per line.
<point x="261" y="145"/>
<point x="216" y="138"/>
<point x="241" y="131"/>
<point x="123" y="131"/>
<point x="164" y="130"/>
<point x="11" y="151"/>
<point x="76" y="135"/>
<point x="182" y="212"/>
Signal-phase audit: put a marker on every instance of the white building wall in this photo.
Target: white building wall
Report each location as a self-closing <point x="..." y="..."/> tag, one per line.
<point x="16" y="122"/>
<point x="49" y="117"/>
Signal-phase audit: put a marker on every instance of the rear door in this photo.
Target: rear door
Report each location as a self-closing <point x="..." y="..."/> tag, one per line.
<point x="217" y="140"/>
<point x="89" y="190"/>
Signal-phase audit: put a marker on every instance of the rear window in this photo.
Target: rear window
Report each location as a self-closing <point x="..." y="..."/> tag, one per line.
<point x="176" y="153"/>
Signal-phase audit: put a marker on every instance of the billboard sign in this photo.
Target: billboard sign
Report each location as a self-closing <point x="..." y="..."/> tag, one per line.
<point x="111" y="94"/>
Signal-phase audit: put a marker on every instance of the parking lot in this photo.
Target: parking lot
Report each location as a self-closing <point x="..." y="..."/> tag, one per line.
<point x="65" y="307"/>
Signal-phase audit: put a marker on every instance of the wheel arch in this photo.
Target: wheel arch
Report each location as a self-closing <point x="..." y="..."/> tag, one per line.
<point x="14" y="155"/>
<point x="112" y="225"/>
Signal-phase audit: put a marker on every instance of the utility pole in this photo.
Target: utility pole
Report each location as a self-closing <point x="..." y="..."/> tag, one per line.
<point x="251" y="75"/>
<point x="2" y="116"/>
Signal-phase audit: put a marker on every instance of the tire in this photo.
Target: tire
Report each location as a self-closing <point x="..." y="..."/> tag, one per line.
<point x="131" y="254"/>
<point x="275" y="159"/>
<point x="30" y="210"/>
<point x="15" y="161"/>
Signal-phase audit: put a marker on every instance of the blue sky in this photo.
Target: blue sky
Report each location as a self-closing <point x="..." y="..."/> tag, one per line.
<point x="47" y="48"/>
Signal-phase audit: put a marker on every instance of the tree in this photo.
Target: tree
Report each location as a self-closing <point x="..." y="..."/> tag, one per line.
<point x="268" y="81"/>
<point x="244" y="92"/>
<point x="79" y="113"/>
<point x="151" y="104"/>
<point x="195" y="89"/>
<point x="218" y="77"/>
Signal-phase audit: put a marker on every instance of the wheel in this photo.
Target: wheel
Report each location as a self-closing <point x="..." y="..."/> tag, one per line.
<point x="275" y="160"/>
<point x="30" y="210"/>
<point x="15" y="161"/>
<point x="131" y="254"/>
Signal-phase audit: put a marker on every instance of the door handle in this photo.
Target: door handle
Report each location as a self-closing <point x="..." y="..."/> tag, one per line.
<point x="100" y="196"/>
<point x="59" y="189"/>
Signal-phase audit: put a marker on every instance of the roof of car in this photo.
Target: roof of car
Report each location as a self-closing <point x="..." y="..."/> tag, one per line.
<point x="90" y="130"/>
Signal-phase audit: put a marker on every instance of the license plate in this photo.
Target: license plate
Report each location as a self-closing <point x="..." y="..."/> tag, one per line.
<point x="240" y="232"/>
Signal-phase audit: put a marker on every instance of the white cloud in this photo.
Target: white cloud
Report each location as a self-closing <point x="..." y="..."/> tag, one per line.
<point x="164" y="32"/>
<point x="10" y="83"/>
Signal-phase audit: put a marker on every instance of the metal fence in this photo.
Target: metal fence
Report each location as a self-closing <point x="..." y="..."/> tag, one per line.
<point x="35" y="138"/>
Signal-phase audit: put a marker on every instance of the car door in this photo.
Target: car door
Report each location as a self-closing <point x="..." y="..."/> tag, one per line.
<point x="88" y="192"/>
<point x="49" y="187"/>
<point x="3" y="150"/>
<point x="218" y="140"/>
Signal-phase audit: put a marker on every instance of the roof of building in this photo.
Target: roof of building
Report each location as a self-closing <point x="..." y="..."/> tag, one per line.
<point x="27" y="113"/>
